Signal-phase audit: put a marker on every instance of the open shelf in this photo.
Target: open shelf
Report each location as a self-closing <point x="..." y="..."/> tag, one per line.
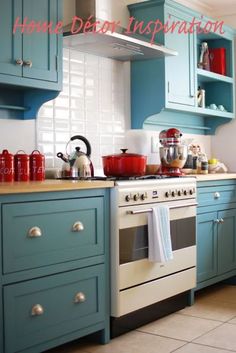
<point x="13" y="107"/>
<point x="208" y="76"/>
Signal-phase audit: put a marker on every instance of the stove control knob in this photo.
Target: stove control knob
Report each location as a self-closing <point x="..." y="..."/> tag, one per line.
<point x="173" y="193"/>
<point x="185" y="192"/>
<point x="142" y="197"/>
<point x="179" y="193"/>
<point x="127" y="198"/>
<point x="167" y="193"/>
<point x="136" y="197"/>
<point x="191" y="191"/>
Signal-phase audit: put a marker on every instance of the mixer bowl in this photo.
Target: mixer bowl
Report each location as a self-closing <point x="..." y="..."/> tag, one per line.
<point x="174" y="156"/>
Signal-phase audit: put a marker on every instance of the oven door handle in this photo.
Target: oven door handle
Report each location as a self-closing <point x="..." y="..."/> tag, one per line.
<point x="148" y="210"/>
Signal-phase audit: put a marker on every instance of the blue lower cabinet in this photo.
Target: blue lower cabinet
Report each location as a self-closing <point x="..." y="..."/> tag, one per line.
<point x="54" y="269"/>
<point x="216" y="232"/>
<point x="40" y="310"/>
<point x="206" y="246"/>
<point x="42" y="233"/>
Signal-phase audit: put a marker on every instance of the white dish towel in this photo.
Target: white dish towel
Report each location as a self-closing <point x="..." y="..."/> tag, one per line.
<point x="159" y="238"/>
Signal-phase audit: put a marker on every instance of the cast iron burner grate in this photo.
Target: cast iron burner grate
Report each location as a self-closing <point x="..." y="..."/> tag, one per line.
<point x="144" y="177"/>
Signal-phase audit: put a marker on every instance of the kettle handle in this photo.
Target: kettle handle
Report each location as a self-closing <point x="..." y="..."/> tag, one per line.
<point x="82" y="138"/>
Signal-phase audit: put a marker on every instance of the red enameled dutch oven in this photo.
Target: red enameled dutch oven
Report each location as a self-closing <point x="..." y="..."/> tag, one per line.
<point x="124" y="164"/>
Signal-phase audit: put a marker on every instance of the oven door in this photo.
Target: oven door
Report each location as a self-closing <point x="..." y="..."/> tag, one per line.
<point x="133" y="244"/>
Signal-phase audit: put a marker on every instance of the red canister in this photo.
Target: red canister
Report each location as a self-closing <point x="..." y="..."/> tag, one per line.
<point x="6" y="166"/>
<point x="21" y="163"/>
<point x="37" y="166"/>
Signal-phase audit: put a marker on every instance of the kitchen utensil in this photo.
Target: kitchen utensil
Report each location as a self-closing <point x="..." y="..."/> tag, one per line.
<point x="21" y="165"/>
<point x="78" y="164"/>
<point x="37" y="166"/>
<point x="6" y="166"/>
<point x="124" y="164"/>
<point x="173" y="154"/>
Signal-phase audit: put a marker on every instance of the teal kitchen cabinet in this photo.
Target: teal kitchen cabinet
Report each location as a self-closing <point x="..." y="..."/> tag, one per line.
<point x="216" y="232"/>
<point x="30" y="63"/>
<point x="54" y="269"/>
<point x="164" y="90"/>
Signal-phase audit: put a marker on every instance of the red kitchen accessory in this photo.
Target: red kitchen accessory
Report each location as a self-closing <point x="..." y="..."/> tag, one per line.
<point x="124" y="164"/>
<point x="37" y="166"/>
<point x="218" y="60"/>
<point x="21" y="163"/>
<point x="6" y="166"/>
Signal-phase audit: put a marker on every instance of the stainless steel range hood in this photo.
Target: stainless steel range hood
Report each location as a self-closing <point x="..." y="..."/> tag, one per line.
<point x="114" y="45"/>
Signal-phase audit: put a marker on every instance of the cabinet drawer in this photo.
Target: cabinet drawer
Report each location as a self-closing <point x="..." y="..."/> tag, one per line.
<point x="69" y="301"/>
<point x="54" y="240"/>
<point x="216" y="195"/>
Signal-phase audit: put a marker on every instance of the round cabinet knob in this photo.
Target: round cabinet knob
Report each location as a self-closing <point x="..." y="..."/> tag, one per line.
<point x="127" y="198"/>
<point x="80" y="298"/>
<point x="77" y="227"/>
<point x="217" y="221"/>
<point x="136" y="197"/>
<point x="142" y="197"/>
<point x="37" y="310"/>
<point x="216" y="195"/>
<point x="34" y="232"/>
<point x="19" y="62"/>
<point x="28" y="63"/>
<point x="221" y="221"/>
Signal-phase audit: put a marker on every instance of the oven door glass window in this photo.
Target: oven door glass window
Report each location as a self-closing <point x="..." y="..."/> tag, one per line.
<point x="133" y="241"/>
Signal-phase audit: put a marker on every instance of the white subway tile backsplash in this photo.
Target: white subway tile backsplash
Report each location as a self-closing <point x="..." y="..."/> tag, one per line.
<point x="92" y="104"/>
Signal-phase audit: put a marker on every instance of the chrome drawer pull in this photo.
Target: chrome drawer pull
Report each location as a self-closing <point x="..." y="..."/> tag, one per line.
<point x="34" y="232"/>
<point x="37" y="310"/>
<point x="221" y="221"/>
<point x="216" y="195"/>
<point x="19" y="62"/>
<point x="80" y="298"/>
<point x="77" y="227"/>
<point x="28" y="63"/>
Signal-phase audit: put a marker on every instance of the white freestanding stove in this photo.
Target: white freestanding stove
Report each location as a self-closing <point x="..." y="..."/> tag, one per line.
<point x="137" y="285"/>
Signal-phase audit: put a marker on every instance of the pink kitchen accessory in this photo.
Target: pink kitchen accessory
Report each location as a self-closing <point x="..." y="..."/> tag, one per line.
<point x="37" y="166"/>
<point x="6" y="166"/>
<point x="21" y="164"/>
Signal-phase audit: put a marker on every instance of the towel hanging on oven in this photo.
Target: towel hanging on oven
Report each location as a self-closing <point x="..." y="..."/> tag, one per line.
<point x="159" y="238"/>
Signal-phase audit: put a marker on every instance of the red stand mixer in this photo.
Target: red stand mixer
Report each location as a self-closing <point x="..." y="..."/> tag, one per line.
<point x="173" y="154"/>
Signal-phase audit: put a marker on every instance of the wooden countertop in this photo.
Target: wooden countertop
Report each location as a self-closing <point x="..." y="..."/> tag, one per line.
<point x="216" y="176"/>
<point x="52" y="185"/>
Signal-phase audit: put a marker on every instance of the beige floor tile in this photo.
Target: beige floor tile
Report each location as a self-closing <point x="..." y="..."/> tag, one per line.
<point x="223" y="337"/>
<point x="197" y="348"/>
<point x="137" y="342"/>
<point x="78" y="346"/>
<point x="207" y="309"/>
<point x="232" y="321"/>
<point x="220" y="293"/>
<point x="181" y="327"/>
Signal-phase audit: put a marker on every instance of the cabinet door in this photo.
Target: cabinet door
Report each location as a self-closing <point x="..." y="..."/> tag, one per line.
<point x="180" y="78"/>
<point x="206" y="246"/>
<point x="11" y="44"/>
<point x="41" y="48"/>
<point x="226" y="241"/>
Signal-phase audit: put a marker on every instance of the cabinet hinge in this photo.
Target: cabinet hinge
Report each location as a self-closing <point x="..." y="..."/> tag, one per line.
<point x="168" y="87"/>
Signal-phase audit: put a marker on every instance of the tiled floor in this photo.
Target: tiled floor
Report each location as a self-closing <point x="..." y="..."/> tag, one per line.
<point x="209" y="326"/>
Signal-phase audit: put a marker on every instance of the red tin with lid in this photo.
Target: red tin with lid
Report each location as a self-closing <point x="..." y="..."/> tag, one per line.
<point x="37" y="166"/>
<point x="6" y="166"/>
<point x="218" y="60"/>
<point x="21" y="163"/>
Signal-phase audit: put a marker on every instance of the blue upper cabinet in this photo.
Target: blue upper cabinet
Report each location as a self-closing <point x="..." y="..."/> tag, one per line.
<point x="30" y="63"/>
<point x="30" y="60"/>
<point x="164" y="90"/>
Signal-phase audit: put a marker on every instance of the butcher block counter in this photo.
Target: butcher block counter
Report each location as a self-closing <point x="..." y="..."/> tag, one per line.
<point x="212" y="177"/>
<point x="52" y="185"/>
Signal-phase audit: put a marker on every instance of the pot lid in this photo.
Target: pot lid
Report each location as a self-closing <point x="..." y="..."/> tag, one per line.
<point x="124" y="154"/>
